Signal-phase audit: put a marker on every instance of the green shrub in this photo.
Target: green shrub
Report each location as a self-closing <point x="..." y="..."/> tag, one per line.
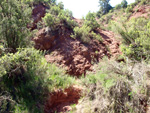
<point x="1" y="50"/>
<point x="90" y="20"/>
<point x="85" y="34"/>
<point x="117" y="7"/>
<point x="82" y="33"/>
<point x="27" y="79"/>
<point x="87" y="31"/>
<point x="57" y="16"/>
<point x="136" y="38"/>
<point x="144" y="2"/>
<point x="55" y="10"/>
<point x="129" y="9"/>
<point x="124" y="4"/>
<point x="108" y="17"/>
<point x="14" y="18"/>
<point x="61" y="5"/>
<point x="65" y="18"/>
<point x="96" y="36"/>
<point x="40" y="1"/>
<point x="50" y="21"/>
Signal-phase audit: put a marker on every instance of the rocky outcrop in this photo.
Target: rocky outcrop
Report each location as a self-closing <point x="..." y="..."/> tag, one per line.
<point x="60" y="101"/>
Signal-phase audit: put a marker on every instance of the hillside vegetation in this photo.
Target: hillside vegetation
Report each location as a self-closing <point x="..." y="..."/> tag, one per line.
<point x="51" y="62"/>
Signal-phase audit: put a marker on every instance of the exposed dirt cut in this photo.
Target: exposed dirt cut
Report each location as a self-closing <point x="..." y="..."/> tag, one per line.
<point x="37" y="13"/>
<point x="60" y="101"/>
<point x="72" y="54"/>
<point x="111" y="42"/>
<point x="141" y="11"/>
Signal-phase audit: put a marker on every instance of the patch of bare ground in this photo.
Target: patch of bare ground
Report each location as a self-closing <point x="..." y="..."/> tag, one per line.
<point x="111" y="42"/>
<point x="60" y="101"/>
<point x="75" y="56"/>
<point x="141" y="11"/>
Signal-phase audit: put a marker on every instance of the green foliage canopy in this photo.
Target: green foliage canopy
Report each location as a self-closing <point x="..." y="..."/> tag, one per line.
<point x="104" y="6"/>
<point x="124" y="4"/>
<point x="90" y="20"/>
<point x="14" y="18"/>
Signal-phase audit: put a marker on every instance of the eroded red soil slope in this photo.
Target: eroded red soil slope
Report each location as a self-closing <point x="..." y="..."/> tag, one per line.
<point x="70" y="53"/>
<point x="74" y="55"/>
<point x="60" y="101"/>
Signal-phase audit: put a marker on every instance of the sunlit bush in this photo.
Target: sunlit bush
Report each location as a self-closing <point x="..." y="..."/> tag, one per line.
<point x="90" y="20"/>
<point x="27" y="79"/>
<point x="135" y="35"/>
<point x="82" y="33"/>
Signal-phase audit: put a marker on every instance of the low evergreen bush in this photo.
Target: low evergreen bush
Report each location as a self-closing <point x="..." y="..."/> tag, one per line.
<point x="26" y="79"/>
<point x="135" y="35"/>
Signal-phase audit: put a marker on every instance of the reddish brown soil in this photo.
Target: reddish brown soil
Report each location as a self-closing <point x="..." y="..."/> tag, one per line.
<point x="74" y="55"/>
<point x="60" y="101"/>
<point x="142" y="11"/>
<point x="111" y="42"/>
<point x="37" y="13"/>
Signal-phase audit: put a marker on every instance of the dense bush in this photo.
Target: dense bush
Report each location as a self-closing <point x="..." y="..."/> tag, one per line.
<point x="55" y="10"/>
<point x="14" y="17"/>
<point x="117" y="7"/>
<point x="129" y="9"/>
<point x="40" y="1"/>
<point x="61" y="5"/>
<point x="26" y="79"/>
<point x="90" y="20"/>
<point x="1" y="50"/>
<point x="82" y="33"/>
<point x="65" y="18"/>
<point x="50" y="21"/>
<point x="57" y="16"/>
<point x="85" y="33"/>
<point x="135" y="35"/>
<point x="124" y="4"/>
<point x="144" y="2"/>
